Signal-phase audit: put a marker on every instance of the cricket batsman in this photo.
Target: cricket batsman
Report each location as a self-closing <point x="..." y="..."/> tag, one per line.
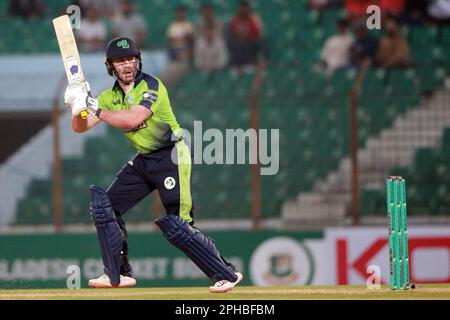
<point x="138" y="104"/>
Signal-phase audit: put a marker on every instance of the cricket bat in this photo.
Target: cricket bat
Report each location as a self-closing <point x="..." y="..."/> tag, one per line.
<point x="69" y="52"/>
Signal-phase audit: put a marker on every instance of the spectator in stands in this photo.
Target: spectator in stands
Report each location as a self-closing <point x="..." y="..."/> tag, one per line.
<point x="364" y="48"/>
<point x="393" y="50"/>
<point x="28" y="9"/>
<point x="393" y="8"/>
<point x="209" y="20"/>
<point x="127" y="23"/>
<point x="246" y="23"/>
<point x="336" y="50"/>
<point x="439" y="10"/>
<point x="246" y="46"/>
<point x="105" y="8"/>
<point x="91" y="36"/>
<point x="415" y="13"/>
<point x="210" y="51"/>
<point x="357" y="8"/>
<point x="180" y="37"/>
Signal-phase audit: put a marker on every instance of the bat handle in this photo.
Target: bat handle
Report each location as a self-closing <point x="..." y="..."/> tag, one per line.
<point x="84" y="114"/>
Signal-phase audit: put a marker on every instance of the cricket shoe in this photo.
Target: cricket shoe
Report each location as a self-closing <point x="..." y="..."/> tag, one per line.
<point x="104" y="282"/>
<point x="223" y="286"/>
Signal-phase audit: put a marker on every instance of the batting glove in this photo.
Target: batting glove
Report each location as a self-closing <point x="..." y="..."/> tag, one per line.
<point x="91" y="102"/>
<point x="74" y="92"/>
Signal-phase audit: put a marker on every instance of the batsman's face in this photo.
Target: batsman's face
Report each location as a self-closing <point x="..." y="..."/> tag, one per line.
<point x="126" y="68"/>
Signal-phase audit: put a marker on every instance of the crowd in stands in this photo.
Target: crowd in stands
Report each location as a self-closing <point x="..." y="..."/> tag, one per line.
<point x="348" y="49"/>
<point x="211" y="44"/>
<point x="412" y="12"/>
<point x="353" y="44"/>
<point x="27" y="9"/>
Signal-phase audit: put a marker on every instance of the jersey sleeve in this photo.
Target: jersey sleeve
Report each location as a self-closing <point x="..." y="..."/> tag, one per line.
<point x="104" y="100"/>
<point x="152" y="94"/>
<point x="149" y="99"/>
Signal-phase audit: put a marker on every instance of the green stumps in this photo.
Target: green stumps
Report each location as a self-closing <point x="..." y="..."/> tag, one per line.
<point x="398" y="233"/>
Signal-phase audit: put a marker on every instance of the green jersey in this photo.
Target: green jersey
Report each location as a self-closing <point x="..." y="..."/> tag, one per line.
<point x="155" y="132"/>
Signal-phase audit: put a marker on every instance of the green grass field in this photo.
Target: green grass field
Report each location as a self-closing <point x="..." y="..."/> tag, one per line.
<point x="423" y="291"/>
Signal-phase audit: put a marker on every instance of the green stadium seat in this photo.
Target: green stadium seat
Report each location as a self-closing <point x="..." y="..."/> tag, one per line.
<point x="428" y="181"/>
<point x="423" y="36"/>
<point x="372" y="202"/>
<point x="4" y="6"/>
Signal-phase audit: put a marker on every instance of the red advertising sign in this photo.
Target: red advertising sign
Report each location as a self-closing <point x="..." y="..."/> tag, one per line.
<point x="353" y="250"/>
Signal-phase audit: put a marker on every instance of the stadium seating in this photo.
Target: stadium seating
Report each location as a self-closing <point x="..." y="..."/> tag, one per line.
<point x="310" y="110"/>
<point x="427" y="183"/>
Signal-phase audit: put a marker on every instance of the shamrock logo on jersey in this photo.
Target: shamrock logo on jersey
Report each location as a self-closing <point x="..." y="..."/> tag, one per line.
<point x="130" y="99"/>
<point x="123" y="44"/>
<point x="169" y="183"/>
